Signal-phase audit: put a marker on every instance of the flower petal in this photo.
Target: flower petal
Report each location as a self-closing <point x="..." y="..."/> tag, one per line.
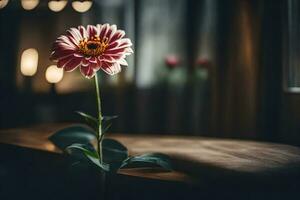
<point x="79" y="55"/>
<point x="74" y="34"/>
<point x="128" y="51"/>
<point x="92" y="60"/>
<point x="118" y="35"/>
<point x="123" y="62"/>
<point x="112" y="45"/>
<point x="115" y="51"/>
<point x="63" y="45"/>
<point x="125" y="42"/>
<point x="92" y="31"/>
<point x="85" y="62"/>
<point x="111" y="68"/>
<point x="82" y="31"/>
<point x="61" y="53"/>
<point x="103" y="31"/>
<point x="107" y="58"/>
<point x="122" y="43"/>
<point x="68" y="53"/>
<point x="72" y="64"/>
<point x="88" y="71"/>
<point x="67" y="40"/>
<point x="111" y="31"/>
<point x="61" y="62"/>
<point x="95" y="66"/>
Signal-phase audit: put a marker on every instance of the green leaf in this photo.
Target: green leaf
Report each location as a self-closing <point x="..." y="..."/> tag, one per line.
<point x="90" y="154"/>
<point x="93" y="122"/>
<point x="74" y="134"/>
<point x="114" y="153"/>
<point x="90" y="120"/>
<point x="106" y="123"/>
<point x="105" y="128"/>
<point x="114" y="145"/>
<point x="108" y="118"/>
<point x="148" y="160"/>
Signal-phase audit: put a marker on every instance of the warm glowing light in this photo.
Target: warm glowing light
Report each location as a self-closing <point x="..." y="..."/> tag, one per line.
<point x="3" y="3"/>
<point x="29" y="4"/>
<point x="54" y="74"/>
<point x="50" y="147"/>
<point x="82" y="6"/>
<point x="57" y="5"/>
<point x="29" y="62"/>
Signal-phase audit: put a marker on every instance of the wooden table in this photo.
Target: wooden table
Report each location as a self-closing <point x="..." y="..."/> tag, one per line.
<point x="203" y="166"/>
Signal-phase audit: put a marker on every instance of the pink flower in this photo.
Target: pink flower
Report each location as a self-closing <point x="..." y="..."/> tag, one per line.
<point x="203" y="62"/>
<point x="92" y="48"/>
<point x="171" y="61"/>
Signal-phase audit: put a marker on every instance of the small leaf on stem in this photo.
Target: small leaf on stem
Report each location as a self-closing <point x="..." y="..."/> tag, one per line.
<point x="108" y="118"/>
<point x="90" y="120"/>
<point x="106" y="123"/>
<point x="91" y="154"/>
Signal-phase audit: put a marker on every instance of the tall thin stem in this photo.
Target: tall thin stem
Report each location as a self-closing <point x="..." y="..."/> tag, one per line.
<point x="99" y="134"/>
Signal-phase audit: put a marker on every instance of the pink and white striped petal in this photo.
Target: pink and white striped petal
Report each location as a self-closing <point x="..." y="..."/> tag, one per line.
<point x="72" y="64"/>
<point x="111" y="68"/>
<point x="92" y="48"/>
<point x="87" y="71"/>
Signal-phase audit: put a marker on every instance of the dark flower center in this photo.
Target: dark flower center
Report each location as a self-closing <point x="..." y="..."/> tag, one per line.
<point x="93" y="46"/>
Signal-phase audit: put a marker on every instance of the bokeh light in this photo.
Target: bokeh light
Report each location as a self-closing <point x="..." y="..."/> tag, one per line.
<point x="29" y="4"/>
<point x="57" y="5"/>
<point x="3" y="3"/>
<point x="82" y="6"/>
<point x="29" y="62"/>
<point x="54" y="74"/>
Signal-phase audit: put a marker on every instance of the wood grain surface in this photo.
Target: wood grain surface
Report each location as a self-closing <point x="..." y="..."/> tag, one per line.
<point x="194" y="158"/>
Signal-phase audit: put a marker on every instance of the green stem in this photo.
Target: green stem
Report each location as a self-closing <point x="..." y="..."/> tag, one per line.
<point x="99" y="135"/>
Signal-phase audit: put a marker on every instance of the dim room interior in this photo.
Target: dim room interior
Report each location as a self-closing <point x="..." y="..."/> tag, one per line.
<point x="208" y="106"/>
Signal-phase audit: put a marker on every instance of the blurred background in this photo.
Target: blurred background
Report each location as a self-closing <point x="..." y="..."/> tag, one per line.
<point x="201" y="67"/>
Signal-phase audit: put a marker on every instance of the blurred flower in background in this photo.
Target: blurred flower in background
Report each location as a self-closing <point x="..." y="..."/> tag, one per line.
<point x="172" y="61"/>
<point x="203" y="63"/>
